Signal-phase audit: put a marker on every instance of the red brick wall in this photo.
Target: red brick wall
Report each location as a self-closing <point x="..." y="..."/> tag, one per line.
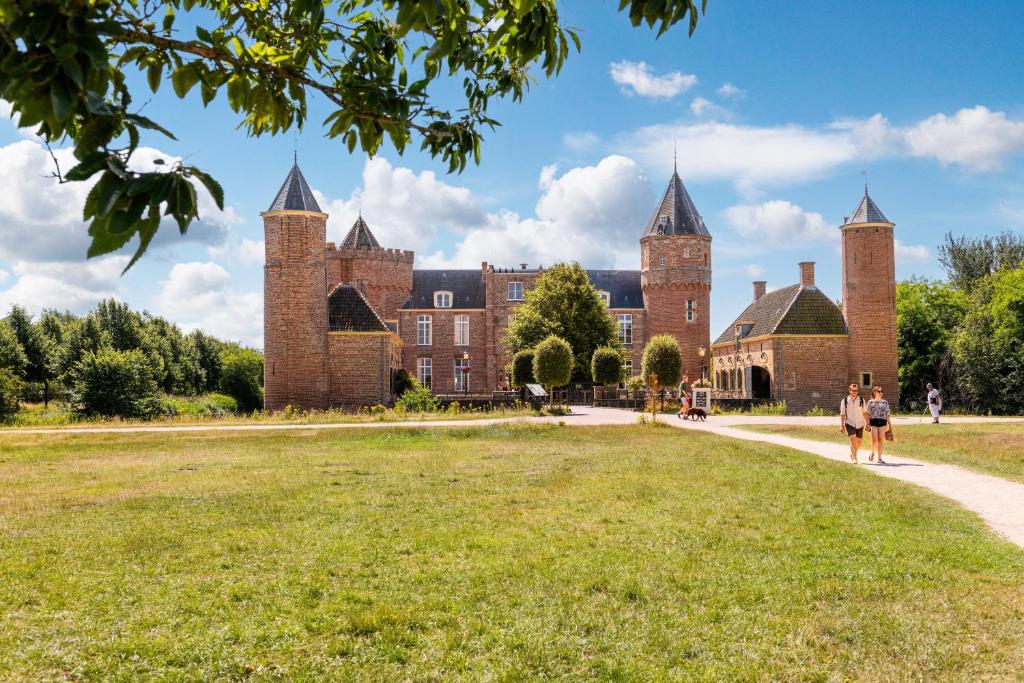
<point x="361" y="366"/>
<point x="295" y="310"/>
<point x="443" y="350"/>
<point x="384" y="276"/>
<point x="685" y="274"/>
<point x="811" y="371"/>
<point x="869" y="305"/>
<point x="497" y="315"/>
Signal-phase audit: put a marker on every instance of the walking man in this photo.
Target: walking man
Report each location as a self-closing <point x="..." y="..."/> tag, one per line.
<point x="934" y="403"/>
<point x="853" y="416"/>
<point x="684" y="398"/>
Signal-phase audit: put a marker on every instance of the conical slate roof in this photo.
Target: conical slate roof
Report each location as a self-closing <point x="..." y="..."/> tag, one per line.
<point x="360" y="237"/>
<point x="676" y="214"/>
<point x="295" y="194"/>
<point x="867" y="212"/>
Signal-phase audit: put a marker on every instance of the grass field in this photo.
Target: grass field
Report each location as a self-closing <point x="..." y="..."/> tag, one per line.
<point x="501" y="553"/>
<point x="993" y="448"/>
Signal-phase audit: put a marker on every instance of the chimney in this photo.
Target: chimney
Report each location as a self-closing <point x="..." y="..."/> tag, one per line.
<point x="760" y="286"/>
<point x="807" y="273"/>
<point x="523" y="266"/>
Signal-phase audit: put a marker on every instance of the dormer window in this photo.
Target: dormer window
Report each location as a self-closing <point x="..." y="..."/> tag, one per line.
<point x="442" y="299"/>
<point x="515" y="291"/>
<point x="606" y="297"/>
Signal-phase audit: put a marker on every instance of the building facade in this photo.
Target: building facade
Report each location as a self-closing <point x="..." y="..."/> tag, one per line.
<point x="340" y="319"/>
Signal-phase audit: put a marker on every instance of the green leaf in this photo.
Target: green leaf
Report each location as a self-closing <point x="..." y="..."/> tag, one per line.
<point x="214" y="188"/>
<point x="91" y="165"/>
<point x="153" y="74"/>
<point x="183" y="78"/>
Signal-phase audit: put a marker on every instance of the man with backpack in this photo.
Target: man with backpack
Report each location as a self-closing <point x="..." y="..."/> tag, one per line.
<point x="853" y="416"/>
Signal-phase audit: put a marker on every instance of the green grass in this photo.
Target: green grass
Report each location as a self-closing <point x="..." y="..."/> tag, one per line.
<point x="497" y="553"/>
<point x="993" y="448"/>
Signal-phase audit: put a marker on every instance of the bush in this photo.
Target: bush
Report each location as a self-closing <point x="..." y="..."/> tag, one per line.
<point x="403" y="382"/>
<point x="662" y="358"/>
<point x="417" y="400"/>
<point x="10" y="390"/>
<point x="553" y="362"/>
<point x="522" y="368"/>
<point x="635" y="383"/>
<point x="818" y="411"/>
<point x="242" y="378"/>
<point x="114" y="384"/>
<point x="606" y="366"/>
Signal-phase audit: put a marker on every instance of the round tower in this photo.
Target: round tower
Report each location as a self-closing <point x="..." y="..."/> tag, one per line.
<point x="675" y="274"/>
<point x="295" y="299"/>
<point x="869" y="298"/>
<point x="383" y="276"/>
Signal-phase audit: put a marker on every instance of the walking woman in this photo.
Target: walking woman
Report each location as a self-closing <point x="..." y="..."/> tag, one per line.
<point x="879" y="421"/>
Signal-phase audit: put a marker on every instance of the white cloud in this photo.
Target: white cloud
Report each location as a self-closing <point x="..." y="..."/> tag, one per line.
<point x="635" y="78"/>
<point x="202" y="295"/>
<point x="977" y="139"/>
<point x="592" y="214"/>
<point x="778" y="222"/>
<point x="730" y="90"/>
<point x="912" y="253"/>
<point x="753" y="270"/>
<point x="706" y="108"/>
<point x="245" y="252"/>
<point x="872" y="137"/>
<point x="580" y="142"/>
<point x="404" y="209"/>
<point x="4" y="275"/>
<point x="547" y="176"/>
<point x="76" y="286"/>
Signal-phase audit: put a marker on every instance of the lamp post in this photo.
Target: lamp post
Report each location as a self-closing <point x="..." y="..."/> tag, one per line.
<point x="701" y="351"/>
<point x="465" y="373"/>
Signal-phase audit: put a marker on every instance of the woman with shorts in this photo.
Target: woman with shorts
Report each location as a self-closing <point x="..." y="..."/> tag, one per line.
<point x="878" y="421"/>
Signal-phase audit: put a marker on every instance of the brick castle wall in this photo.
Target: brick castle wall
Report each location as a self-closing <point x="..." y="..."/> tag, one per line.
<point x="384" y="276"/>
<point x="869" y="305"/>
<point x="361" y="367"/>
<point x="295" y="310"/>
<point x="810" y="372"/>
<point x="443" y="351"/>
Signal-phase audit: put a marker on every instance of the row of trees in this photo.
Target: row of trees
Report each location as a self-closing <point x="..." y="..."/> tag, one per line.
<point x="118" y="362"/>
<point x="966" y="334"/>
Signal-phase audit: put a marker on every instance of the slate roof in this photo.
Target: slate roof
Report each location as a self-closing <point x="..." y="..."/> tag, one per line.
<point x="792" y="310"/>
<point x="348" y="311"/>
<point x="466" y="286"/>
<point x="867" y="212"/>
<point x="295" y="194"/>
<point x="360" y="237"/>
<point x="676" y="213"/>
<point x="623" y="287"/>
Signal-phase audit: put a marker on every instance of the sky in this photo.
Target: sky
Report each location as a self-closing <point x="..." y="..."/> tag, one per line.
<point x="778" y="112"/>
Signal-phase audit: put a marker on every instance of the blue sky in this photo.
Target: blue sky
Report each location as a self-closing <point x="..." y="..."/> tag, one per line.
<point x="925" y="98"/>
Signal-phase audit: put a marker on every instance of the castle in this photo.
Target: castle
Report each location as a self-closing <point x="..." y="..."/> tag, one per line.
<point x="341" y="319"/>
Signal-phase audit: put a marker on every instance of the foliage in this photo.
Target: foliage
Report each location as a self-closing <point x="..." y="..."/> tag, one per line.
<point x="40" y="351"/>
<point x="208" y="354"/>
<point x="553" y="362"/>
<point x="773" y="408"/>
<point x="927" y="315"/>
<point x="662" y="358"/>
<point x="522" y="368"/>
<point x="635" y="384"/>
<point x="606" y="365"/>
<point x="566" y="305"/>
<point x="10" y="394"/>
<point x="818" y="411"/>
<point x="12" y="355"/>
<point x="403" y="381"/>
<point x="418" y="399"/>
<point x="114" y="383"/>
<point x="969" y="260"/>
<point x="242" y="377"/>
<point x="65" y="69"/>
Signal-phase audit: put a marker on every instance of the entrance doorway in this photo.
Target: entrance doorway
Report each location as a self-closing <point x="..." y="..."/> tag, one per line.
<point x="760" y="382"/>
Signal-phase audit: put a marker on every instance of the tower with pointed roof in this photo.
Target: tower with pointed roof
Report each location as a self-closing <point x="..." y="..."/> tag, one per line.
<point x="869" y="298"/>
<point x="675" y="275"/>
<point x="295" y="298"/>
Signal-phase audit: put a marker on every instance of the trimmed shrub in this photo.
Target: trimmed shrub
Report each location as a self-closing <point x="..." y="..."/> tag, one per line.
<point x="662" y="358"/>
<point x="606" y="366"/>
<point x="553" y="362"/>
<point x="522" y="368"/>
<point x="417" y="400"/>
<point x="242" y="378"/>
<point x="114" y="384"/>
<point x="403" y="382"/>
<point x="10" y="390"/>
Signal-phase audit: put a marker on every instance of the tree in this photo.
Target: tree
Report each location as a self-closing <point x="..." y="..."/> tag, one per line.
<point x="403" y="382"/>
<point x="10" y="392"/>
<point x="39" y="350"/>
<point x="566" y="305"/>
<point x="12" y="355"/>
<point x="209" y="350"/>
<point x="242" y="377"/>
<point x="81" y="336"/>
<point x="662" y="363"/>
<point x="968" y="260"/>
<point x="375" y="62"/>
<point x="553" y="362"/>
<point x="114" y="383"/>
<point x="522" y="368"/>
<point x="606" y="366"/>
<point x="121" y="323"/>
<point x="927" y="316"/>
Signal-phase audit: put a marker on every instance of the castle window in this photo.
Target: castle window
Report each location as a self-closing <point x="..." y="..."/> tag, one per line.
<point x="424" y="371"/>
<point x="424" y="330"/>
<point x="625" y="329"/>
<point x="515" y="291"/>
<point x="461" y="374"/>
<point x="442" y="299"/>
<point x="691" y="310"/>
<point x="627" y="372"/>
<point x="661" y="259"/>
<point x="605" y="297"/>
<point x="686" y="252"/>
<point x="865" y="379"/>
<point x="462" y="330"/>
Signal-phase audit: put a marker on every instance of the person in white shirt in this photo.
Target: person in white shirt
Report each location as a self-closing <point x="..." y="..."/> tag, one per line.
<point x="934" y="403"/>
<point x="853" y="416"/>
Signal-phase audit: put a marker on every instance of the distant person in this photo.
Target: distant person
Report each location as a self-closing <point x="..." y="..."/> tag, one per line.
<point x="684" y="397"/>
<point x="934" y="403"/>
<point x="853" y="417"/>
<point x="879" y="421"/>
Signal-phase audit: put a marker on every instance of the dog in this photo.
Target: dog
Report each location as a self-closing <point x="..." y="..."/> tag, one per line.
<point x="696" y="414"/>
